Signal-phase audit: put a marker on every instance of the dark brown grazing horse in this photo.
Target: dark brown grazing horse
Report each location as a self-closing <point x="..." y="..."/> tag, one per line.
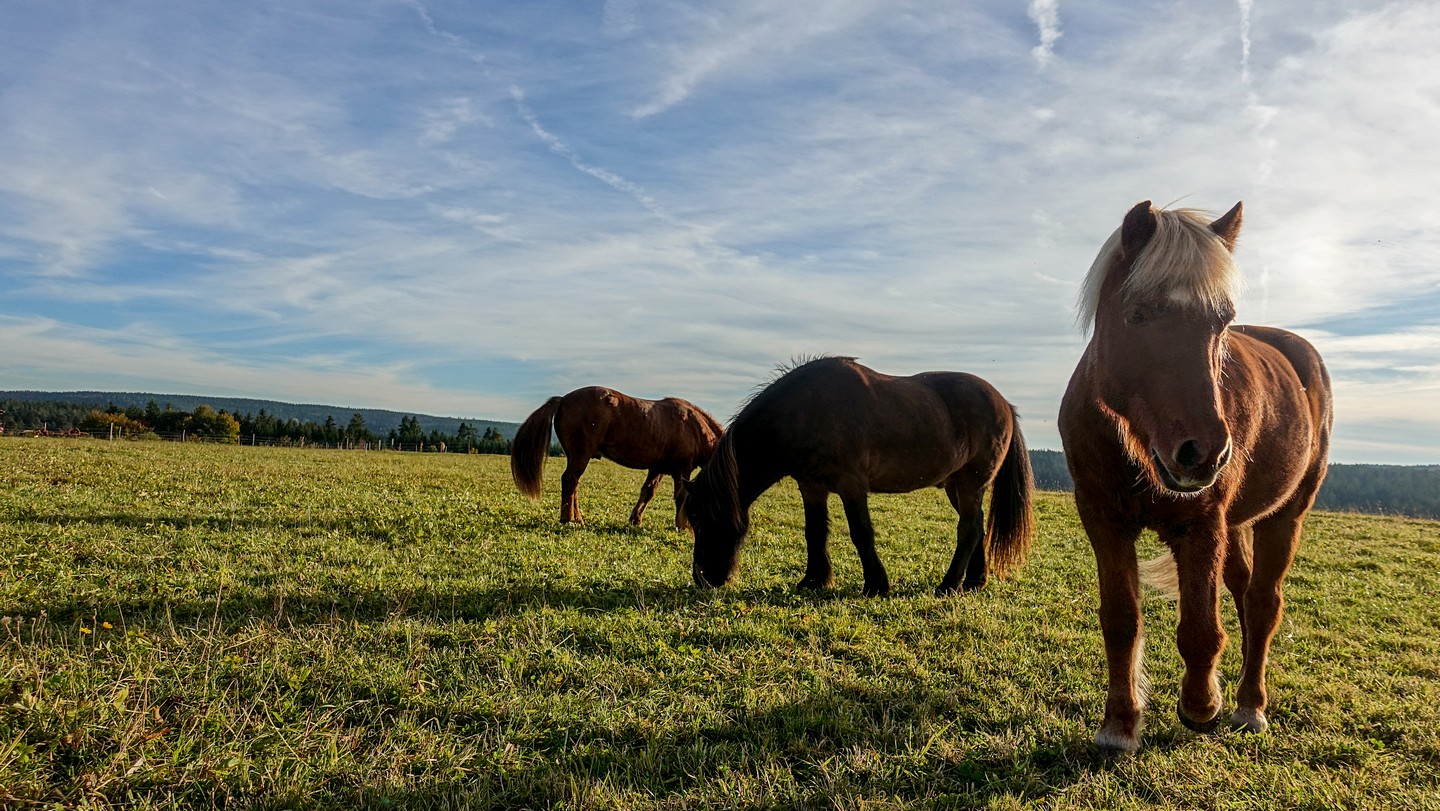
<point x="837" y="427"/>
<point x="1213" y="435"/>
<point x="669" y="437"/>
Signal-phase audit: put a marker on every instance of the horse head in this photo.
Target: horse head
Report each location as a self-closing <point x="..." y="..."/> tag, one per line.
<point x="1160" y="299"/>
<point x="718" y="524"/>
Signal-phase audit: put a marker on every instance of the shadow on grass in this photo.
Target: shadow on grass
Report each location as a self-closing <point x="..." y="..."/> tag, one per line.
<point x="258" y="596"/>
<point x="841" y="746"/>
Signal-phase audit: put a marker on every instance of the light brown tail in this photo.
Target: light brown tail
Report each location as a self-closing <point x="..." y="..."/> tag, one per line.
<point x="1012" y="518"/>
<point x="530" y="447"/>
<point x="1160" y="574"/>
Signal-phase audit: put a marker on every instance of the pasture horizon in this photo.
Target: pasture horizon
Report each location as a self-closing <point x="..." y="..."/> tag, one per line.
<point x="421" y="204"/>
<point x="247" y="404"/>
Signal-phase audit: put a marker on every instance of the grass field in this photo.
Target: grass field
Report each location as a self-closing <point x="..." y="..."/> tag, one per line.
<point x="188" y="626"/>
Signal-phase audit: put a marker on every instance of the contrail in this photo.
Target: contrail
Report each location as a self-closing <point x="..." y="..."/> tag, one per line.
<point x="1246" y="6"/>
<point x="1046" y="15"/>
<point x="563" y="149"/>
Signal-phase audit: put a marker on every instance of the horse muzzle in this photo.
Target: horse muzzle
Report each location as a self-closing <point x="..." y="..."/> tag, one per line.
<point x="699" y="578"/>
<point x="1191" y="469"/>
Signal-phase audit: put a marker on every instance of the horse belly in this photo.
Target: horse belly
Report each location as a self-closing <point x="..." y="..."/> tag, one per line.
<point x="908" y="478"/>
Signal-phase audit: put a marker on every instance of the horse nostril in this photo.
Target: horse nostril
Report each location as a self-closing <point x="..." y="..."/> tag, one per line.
<point x="1189" y="456"/>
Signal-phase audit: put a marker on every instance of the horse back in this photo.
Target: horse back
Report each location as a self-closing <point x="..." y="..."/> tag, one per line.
<point x="842" y="426"/>
<point x="634" y="432"/>
<point x="1305" y="362"/>
<point x="1278" y="405"/>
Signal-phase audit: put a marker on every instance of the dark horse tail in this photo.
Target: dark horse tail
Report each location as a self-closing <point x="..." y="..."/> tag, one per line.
<point x="530" y="447"/>
<point x="1012" y="518"/>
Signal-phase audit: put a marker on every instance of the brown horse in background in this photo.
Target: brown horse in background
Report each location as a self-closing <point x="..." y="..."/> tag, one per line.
<point x="1215" y="436"/>
<point x="838" y="427"/>
<point x="668" y="437"/>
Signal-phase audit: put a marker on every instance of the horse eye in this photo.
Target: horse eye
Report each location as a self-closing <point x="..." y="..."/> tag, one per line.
<point x="1136" y="316"/>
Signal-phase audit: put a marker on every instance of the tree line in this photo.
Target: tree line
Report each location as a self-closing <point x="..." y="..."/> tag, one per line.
<point x="152" y="421"/>
<point x="1378" y="489"/>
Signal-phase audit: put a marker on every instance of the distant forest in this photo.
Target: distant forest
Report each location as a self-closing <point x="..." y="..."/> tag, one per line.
<point x="1377" y="489"/>
<point x="379" y="421"/>
<point x="280" y="426"/>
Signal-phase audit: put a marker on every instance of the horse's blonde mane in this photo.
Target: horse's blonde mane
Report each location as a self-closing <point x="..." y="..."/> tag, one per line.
<point x="1184" y="262"/>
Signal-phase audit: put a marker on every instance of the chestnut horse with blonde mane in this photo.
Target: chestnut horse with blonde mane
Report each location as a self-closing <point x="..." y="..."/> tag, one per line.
<point x="1211" y="434"/>
<point x="838" y="427"/>
<point x="668" y="437"/>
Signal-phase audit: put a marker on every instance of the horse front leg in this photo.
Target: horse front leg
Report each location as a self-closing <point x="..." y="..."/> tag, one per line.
<point x="1120" y="626"/>
<point x="1199" y="558"/>
<point x="969" y="561"/>
<point x="1275" y="541"/>
<point x="681" y="522"/>
<point x="818" y="572"/>
<point x="647" y="492"/>
<point x="862" y="534"/>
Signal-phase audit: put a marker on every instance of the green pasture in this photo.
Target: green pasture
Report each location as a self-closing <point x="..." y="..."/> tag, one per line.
<point x="198" y="625"/>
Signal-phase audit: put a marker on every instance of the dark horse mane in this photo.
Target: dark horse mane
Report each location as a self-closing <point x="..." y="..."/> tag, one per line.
<point x="716" y="488"/>
<point x="719" y="479"/>
<point x="780" y="372"/>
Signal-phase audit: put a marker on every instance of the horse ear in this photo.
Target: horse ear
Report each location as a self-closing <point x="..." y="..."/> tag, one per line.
<point x="1228" y="226"/>
<point x="1139" y="226"/>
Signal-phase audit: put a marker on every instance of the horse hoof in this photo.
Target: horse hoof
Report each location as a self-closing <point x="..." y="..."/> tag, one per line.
<point x="1197" y="726"/>
<point x="1111" y="745"/>
<point x="1250" y="721"/>
<point x="876" y="592"/>
<point x="816" y="584"/>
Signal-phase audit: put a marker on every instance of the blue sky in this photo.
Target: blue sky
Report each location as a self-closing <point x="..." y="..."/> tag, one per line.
<point x="463" y="208"/>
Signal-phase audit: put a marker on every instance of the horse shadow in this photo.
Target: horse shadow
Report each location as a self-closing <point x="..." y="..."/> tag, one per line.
<point x="839" y="745"/>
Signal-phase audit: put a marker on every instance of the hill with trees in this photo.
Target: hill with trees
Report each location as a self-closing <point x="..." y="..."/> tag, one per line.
<point x="273" y="424"/>
<point x="378" y="421"/>
<point x="1377" y="489"/>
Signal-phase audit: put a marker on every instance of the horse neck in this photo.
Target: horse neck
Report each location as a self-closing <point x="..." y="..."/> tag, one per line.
<point x="753" y="469"/>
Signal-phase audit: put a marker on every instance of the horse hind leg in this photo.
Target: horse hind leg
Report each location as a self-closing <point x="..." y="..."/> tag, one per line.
<point x="569" y="488"/>
<point x="1237" y="572"/>
<point x="818" y="571"/>
<point x="1275" y="541"/>
<point x="647" y="492"/>
<point x="862" y="534"/>
<point x="969" y="561"/>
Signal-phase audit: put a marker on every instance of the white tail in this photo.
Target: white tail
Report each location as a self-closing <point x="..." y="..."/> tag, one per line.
<point x="1160" y="574"/>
